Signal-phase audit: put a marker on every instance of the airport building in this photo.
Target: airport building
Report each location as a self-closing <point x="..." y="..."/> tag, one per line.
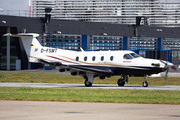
<point x="94" y="25"/>
<point x="151" y="42"/>
<point x="153" y="12"/>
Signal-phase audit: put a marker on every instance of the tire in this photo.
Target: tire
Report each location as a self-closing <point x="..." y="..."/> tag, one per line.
<point x="87" y="83"/>
<point x="121" y="82"/>
<point x="145" y="84"/>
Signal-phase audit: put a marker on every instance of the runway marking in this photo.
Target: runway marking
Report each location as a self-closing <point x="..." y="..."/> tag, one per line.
<point x="95" y="86"/>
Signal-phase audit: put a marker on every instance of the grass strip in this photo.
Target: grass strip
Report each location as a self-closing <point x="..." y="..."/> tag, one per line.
<point x="64" y="78"/>
<point x="90" y="95"/>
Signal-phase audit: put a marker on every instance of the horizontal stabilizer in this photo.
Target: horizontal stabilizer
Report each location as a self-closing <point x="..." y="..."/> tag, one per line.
<point x="22" y="35"/>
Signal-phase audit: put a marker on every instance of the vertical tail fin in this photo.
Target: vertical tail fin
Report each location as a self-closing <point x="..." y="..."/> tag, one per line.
<point x="30" y="43"/>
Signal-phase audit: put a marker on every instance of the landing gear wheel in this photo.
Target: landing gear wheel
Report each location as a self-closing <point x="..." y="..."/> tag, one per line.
<point x="87" y="83"/>
<point x="121" y="82"/>
<point x="145" y="84"/>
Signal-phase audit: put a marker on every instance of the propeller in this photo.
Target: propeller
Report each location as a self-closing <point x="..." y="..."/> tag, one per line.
<point x="167" y="66"/>
<point x="166" y="74"/>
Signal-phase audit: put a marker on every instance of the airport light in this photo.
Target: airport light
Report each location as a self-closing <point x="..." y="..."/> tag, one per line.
<point x="59" y="32"/>
<point x="47" y="15"/>
<point x="1" y="9"/>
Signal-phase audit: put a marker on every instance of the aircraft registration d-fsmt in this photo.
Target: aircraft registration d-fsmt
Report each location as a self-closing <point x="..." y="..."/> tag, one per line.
<point x="91" y="64"/>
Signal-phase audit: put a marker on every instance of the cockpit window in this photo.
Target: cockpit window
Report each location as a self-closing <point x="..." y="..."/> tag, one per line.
<point x="134" y="55"/>
<point x="127" y="56"/>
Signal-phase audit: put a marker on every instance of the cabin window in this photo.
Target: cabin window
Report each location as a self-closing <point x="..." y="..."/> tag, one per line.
<point x="77" y="58"/>
<point x="134" y="55"/>
<point x="93" y="58"/>
<point x="127" y="56"/>
<point x="111" y="58"/>
<point x="102" y="58"/>
<point x="85" y="58"/>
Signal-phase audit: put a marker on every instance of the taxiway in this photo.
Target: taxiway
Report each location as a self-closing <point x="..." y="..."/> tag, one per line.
<point x="33" y="110"/>
<point x="95" y="86"/>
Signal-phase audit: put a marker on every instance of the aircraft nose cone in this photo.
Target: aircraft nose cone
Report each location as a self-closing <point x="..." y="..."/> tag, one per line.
<point x="169" y="64"/>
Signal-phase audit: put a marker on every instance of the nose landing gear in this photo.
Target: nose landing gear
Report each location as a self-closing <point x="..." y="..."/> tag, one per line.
<point x="145" y="83"/>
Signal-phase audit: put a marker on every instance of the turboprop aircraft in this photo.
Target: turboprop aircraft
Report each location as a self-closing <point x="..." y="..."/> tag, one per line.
<point x="91" y="64"/>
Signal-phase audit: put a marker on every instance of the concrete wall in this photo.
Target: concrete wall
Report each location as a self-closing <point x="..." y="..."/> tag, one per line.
<point x="36" y="25"/>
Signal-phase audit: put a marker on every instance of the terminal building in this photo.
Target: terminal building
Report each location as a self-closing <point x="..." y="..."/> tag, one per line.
<point x="154" y="12"/>
<point x="158" y="40"/>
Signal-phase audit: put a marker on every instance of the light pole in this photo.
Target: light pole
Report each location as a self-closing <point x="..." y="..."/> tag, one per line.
<point x="47" y="18"/>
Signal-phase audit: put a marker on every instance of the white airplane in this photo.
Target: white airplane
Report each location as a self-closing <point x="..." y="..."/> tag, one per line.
<point x="91" y="64"/>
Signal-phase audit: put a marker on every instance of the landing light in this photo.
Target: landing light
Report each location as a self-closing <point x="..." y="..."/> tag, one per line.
<point x="155" y="64"/>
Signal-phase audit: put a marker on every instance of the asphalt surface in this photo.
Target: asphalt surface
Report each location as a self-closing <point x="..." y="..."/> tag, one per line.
<point x="95" y="86"/>
<point x="32" y="110"/>
<point x="171" y="73"/>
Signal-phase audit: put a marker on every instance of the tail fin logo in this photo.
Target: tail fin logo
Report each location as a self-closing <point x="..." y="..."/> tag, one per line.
<point x="31" y="45"/>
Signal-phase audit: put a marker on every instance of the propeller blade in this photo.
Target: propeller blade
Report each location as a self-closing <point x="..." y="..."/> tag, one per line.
<point x="174" y="68"/>
<point x="166" y="74"/>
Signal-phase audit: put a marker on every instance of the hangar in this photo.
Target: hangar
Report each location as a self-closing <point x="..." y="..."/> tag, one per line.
<point x="148" y="41"/>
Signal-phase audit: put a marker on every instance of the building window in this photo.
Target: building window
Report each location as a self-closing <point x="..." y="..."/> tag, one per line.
<point x="63" y="41"/>
<point x="102" y="43"/>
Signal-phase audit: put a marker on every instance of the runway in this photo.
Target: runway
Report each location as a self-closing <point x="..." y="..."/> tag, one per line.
<point x="33" y="110"/>
<point x="95" y="86"/>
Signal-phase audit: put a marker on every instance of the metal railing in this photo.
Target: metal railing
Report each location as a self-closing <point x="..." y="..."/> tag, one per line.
<point x="23" y="13"/>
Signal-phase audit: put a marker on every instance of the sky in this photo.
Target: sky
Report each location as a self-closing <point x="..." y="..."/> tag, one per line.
<point x="14" y="4"/>
<point x="24" y="4"/>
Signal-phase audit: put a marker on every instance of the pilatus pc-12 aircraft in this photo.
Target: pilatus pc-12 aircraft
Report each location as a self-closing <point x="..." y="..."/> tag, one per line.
<point x="91" y="64"/>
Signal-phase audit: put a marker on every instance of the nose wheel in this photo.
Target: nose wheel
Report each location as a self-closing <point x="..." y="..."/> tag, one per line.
<point x="145" y="83"/>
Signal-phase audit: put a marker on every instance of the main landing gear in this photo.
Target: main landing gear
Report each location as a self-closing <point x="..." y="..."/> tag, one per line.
<point x="122" y="80"/>
<point x="87" y="83"/>
<point x="89" y="78"/>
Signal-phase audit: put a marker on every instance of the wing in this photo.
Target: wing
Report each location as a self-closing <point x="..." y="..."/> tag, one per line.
<point x="97" y="70"/>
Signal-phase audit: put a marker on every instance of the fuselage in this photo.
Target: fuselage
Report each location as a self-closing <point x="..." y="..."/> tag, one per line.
<point x="114" y="60"/>
<point x="91" y="64"/>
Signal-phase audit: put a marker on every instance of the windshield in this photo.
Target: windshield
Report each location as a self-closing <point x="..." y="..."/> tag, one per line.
<point x="135" y="55"/>
<point x="127" y="56"/>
